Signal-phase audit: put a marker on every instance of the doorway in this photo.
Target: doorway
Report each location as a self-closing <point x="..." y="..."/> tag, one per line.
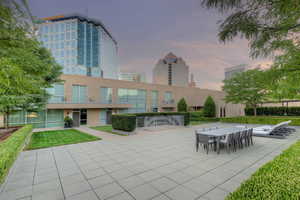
<point x="76" y="118"/>
<point x="108" y="116"/>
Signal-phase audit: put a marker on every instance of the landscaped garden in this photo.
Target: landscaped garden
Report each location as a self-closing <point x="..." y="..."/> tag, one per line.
<point x="278" y="179"/>
<point x="57" y="138"/>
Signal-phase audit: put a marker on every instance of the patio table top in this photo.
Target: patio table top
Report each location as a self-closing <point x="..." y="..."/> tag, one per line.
<point x="220" y="131"/>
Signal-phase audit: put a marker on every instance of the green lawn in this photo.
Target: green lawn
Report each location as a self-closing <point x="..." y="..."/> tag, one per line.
<point x="276" y="180"/>
<point x="56" y="138"/>
<point x="107" y="128"/>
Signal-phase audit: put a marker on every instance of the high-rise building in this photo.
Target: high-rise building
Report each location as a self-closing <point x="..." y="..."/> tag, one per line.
<point x="231" y="71"/>
<point x="171" y="70"/>
<point x="132" y="76"/>
<point x="82" y="45"/>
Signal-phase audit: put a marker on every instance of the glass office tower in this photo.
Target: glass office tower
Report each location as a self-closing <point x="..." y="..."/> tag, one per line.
<point x="83" y="46"/>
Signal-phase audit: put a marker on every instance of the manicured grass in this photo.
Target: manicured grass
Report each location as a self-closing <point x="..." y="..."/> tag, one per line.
<point x="107" y="128"/>
<point x="60" y="137"/>
<point x="276" y="180"/>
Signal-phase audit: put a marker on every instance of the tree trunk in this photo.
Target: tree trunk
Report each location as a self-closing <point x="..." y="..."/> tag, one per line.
<point x="5" y="120"/>
<point x="254" y="110"/>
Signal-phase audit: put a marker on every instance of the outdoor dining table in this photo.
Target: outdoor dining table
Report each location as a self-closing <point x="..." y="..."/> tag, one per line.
<point x="219" y="133"/>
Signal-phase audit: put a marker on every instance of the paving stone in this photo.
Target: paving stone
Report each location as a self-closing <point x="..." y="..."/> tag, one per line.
<point x="131" y="182"/>
<point x="163" y="184"/>
<point x="109" y="190"/>
<point x="198" y="186"/>
<point x="161" y="197"/>
<point x="94" y="173"/>
<point x="121" y="174"/>
<point x="122" y="196"/>
<point x="149" y="175"/>
<point x="216" y="194"/>
<point x="144" y="192"/>
<point x="101" y="181"/>
<point x="76" y="188"/>
<point x="180" y="193"/>
<point x="89" y="195"/>
<point x="55" y="194"/>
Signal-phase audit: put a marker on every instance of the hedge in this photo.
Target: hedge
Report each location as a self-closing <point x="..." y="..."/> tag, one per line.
<point x="195" y="116"/>
<point x="261" y="120"/>
<point x="127" y="122"/>
<point x="10" y="148"/>
<point x="274" y="111"/>
<point x="278" y="179"/>
<point x="124" y="122"/>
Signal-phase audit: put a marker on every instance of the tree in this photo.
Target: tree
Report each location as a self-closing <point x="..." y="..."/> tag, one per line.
<point x="269" y="25"/>
<point x="209" y="109"/>
<point x="26" y="68"/>
<point x="182" y="106"/>
<point x="246" y="88"/>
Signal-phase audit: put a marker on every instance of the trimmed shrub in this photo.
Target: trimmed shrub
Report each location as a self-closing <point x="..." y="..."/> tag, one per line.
<point x="182" y="106"/>
<point x="195" y="116"/>
<point x="124" y="122"/>
<point x="10" y="148"/>
<point x="274" y="111"/>
<point x="261" y="120"/>
<point x="278" y="179"/>
<point x="209" y="119"/>
<point x="209" y="109"/>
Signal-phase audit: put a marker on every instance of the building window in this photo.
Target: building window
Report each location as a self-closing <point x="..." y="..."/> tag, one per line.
<point x="105" y="95"/>
<point x="56" y="93"/>
<point x="168" y="98"/>
<point x="135" y="97"/>
<point x="79" y="94"/>
<point x="154" y="101"/>
<point x="170" y="74"/>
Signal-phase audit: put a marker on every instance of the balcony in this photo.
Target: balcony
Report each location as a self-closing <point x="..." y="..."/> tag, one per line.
<point x="168" y="103"/>
<point x="84" y="104"/>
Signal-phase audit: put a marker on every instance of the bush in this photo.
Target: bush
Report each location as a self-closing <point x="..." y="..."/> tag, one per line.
<point x="195" y="116"/>
<point x="278" y="179"/>
<point x="209" y="119"/>
<point x="10" y="148"/>
<point x="274" y="111"/>
<point x="124" y="122"/>
<point x="182" y="106"/>
<point x="68" y="122"/>
<point x="209" y="109"/>
<point x="261" y="120"/>
<point x="127" y="122"/>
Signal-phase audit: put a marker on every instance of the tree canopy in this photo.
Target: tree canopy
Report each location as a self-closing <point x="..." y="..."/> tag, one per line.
<point x="246" y="88"/>
<point x="26" y="68"/>
<point x="209" y="109"/>
<point x="182" y="106"/>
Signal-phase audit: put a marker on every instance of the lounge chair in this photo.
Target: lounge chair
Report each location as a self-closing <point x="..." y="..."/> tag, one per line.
<point x="272" y="131"/>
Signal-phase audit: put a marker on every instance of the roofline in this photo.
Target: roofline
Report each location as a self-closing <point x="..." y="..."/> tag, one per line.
<point x="80" y="17"/>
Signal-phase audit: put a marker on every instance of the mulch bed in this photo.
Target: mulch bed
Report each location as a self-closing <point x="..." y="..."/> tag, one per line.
<point x="5" y="133"/>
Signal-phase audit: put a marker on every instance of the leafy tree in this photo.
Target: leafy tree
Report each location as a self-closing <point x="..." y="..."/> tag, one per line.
<point x="26" y="68"/>
<point x="182" y="106"/>
<point x="209" y="109"/>
<point x="246" y="88"/>
<point x="269" y="25"/>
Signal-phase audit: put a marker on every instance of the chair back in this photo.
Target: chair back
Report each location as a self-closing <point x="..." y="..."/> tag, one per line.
<point x="203" y="138"/>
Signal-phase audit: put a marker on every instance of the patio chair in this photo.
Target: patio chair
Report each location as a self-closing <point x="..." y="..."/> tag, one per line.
<point x="243" y="138"/>
<point x="250" y="136"/>
<point x="236" y="140"/>
<point x="204" y="140"/>
<point x="227" y="142"/>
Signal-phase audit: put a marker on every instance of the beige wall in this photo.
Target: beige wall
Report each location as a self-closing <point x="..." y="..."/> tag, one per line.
<point x="193" y="96"/>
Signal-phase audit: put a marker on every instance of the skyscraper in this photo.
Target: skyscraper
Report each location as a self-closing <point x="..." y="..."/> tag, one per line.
<point x="82" y="45"/>
<point x="171" y="70"/>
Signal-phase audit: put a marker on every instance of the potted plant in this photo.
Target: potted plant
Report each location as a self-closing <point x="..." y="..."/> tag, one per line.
<point x="68" y="122"/>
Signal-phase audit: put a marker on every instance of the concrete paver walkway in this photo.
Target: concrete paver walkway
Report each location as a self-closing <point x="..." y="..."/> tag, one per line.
<point x="158" y="165"/>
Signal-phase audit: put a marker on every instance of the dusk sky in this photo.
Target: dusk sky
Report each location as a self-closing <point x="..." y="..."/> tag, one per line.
<point x="146" y="30"/>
